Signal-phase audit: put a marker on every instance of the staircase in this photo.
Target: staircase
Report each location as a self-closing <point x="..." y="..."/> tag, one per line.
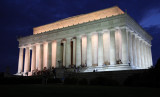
<point x="116" y="67"/>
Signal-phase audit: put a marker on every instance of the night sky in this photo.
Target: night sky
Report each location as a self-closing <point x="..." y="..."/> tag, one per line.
<point x="18" y="17"/>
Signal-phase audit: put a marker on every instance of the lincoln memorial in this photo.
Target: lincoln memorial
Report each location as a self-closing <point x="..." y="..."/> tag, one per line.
<point x="104" y="40"/>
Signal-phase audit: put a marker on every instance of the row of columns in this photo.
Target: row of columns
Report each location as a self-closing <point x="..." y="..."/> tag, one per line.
<point x="96" y="49"/>
<point x="140" y="52"/>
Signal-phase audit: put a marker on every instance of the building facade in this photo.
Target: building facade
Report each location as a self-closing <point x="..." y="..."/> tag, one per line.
<point x="107" y="40"/>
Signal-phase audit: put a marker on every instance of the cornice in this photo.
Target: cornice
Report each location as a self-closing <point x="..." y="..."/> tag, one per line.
<point x="132" y="24"/>
<point x="85" y="28"/>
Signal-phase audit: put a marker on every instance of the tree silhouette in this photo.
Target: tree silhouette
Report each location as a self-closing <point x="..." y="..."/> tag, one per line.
<point x="157" y="66"/>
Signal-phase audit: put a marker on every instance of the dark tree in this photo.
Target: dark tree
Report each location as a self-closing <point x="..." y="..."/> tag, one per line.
<point x="157" y="66"/>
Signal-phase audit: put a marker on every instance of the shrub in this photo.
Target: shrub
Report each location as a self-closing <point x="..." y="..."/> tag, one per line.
<point x="103" y="81"/>
<point x="70" y="80"/>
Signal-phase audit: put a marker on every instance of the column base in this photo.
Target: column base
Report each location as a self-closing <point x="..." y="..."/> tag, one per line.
<point x="19" y="74"/>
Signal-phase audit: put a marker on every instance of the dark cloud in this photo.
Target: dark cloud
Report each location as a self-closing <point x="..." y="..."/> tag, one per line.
<point x="151" y="18"/>
<point x="18" y="17"/>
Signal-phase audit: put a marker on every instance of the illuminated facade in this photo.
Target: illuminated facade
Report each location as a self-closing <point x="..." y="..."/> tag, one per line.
<point x="105" y="40"/>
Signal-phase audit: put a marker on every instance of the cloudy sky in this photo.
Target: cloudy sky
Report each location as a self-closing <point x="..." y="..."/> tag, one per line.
<point x="18" y="17"/>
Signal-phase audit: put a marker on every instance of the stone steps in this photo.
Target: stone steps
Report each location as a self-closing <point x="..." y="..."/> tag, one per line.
<point x="108" y="68"/>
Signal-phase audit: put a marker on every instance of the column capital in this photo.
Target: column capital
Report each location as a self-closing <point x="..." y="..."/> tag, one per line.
<point x="39" y="43"/>
<point x="83" y="35"/>
<point x="27" y="47"/>
<point x="112" y="29"/>
<point x="123" y="27"/>
<point x="50" y="41"/>
<point x="58" y="40"/>
<point x="79" y="36"/>
<point x="21" y="47"/>
<point x="140" y="39"/>
<point x="130" y="31"/>
<point x="89" y="34"/>
<point x="45" y="42"/>
<point x="68" y="37"/>
<point x="99" y="31"/>
<point x="136" y="35"/>
<point x="117" y="28"/>
<point x="106" y="30"/>
<point x="73" y="39"/>
<point x="33" y="46"/>
<point x="148" y="44"/>
<point x="143" y="41"/>
<point x="100" y="34"/>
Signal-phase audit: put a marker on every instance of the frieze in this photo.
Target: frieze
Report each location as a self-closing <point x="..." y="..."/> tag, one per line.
<point x="72" y="31"/>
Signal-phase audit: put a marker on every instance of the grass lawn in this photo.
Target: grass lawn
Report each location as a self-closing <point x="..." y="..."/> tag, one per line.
<point x="76" y="91"/>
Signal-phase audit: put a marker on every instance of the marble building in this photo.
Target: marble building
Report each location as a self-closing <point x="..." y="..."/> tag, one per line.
<point x="104" y="40"/>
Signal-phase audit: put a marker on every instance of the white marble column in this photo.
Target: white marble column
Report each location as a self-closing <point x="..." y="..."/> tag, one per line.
<point x="78" y="51"/>
<point x="124" y="34"/>
<point x="64" y="53"/>
<point x="117" y="39"/>
<point x="138" y="52"/>
<point x="149" y="58"/>
<point x="151" y="63"/>
<point x="145" y="58"/>
<point x="68" y="52"/>
<point x="54" y="46"/>
<point x="140" y="55"/>
<point x="130" y="48"/>
<point x="39" y="56"/>
<point x="100" y="49"/>
<point x="20" y="62"/>
<point x="40" y="66"/>
<point x="141" y="52"/>
<point x="95" y="49"/>
<point x="33" y="62"/>
<point x="146" y="54"/>
<point x="106" y="43"/>
<point x="58" y="53"/>
<point x="84" y="50"/>
<point x="74" y="51"/>
<point x="147" y="47"/>
<point x="45" y="55"/>
<point x="89" y="50"/>
<point x="27" y="60"/>
<point x="49" y="55"/>
<point x="120" y="43"/>
<point x="134" y="50"/>
<point x="112" y="48"/>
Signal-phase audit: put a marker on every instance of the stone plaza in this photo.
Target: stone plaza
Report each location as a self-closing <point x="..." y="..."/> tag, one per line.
<point x="104" y="40"/>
